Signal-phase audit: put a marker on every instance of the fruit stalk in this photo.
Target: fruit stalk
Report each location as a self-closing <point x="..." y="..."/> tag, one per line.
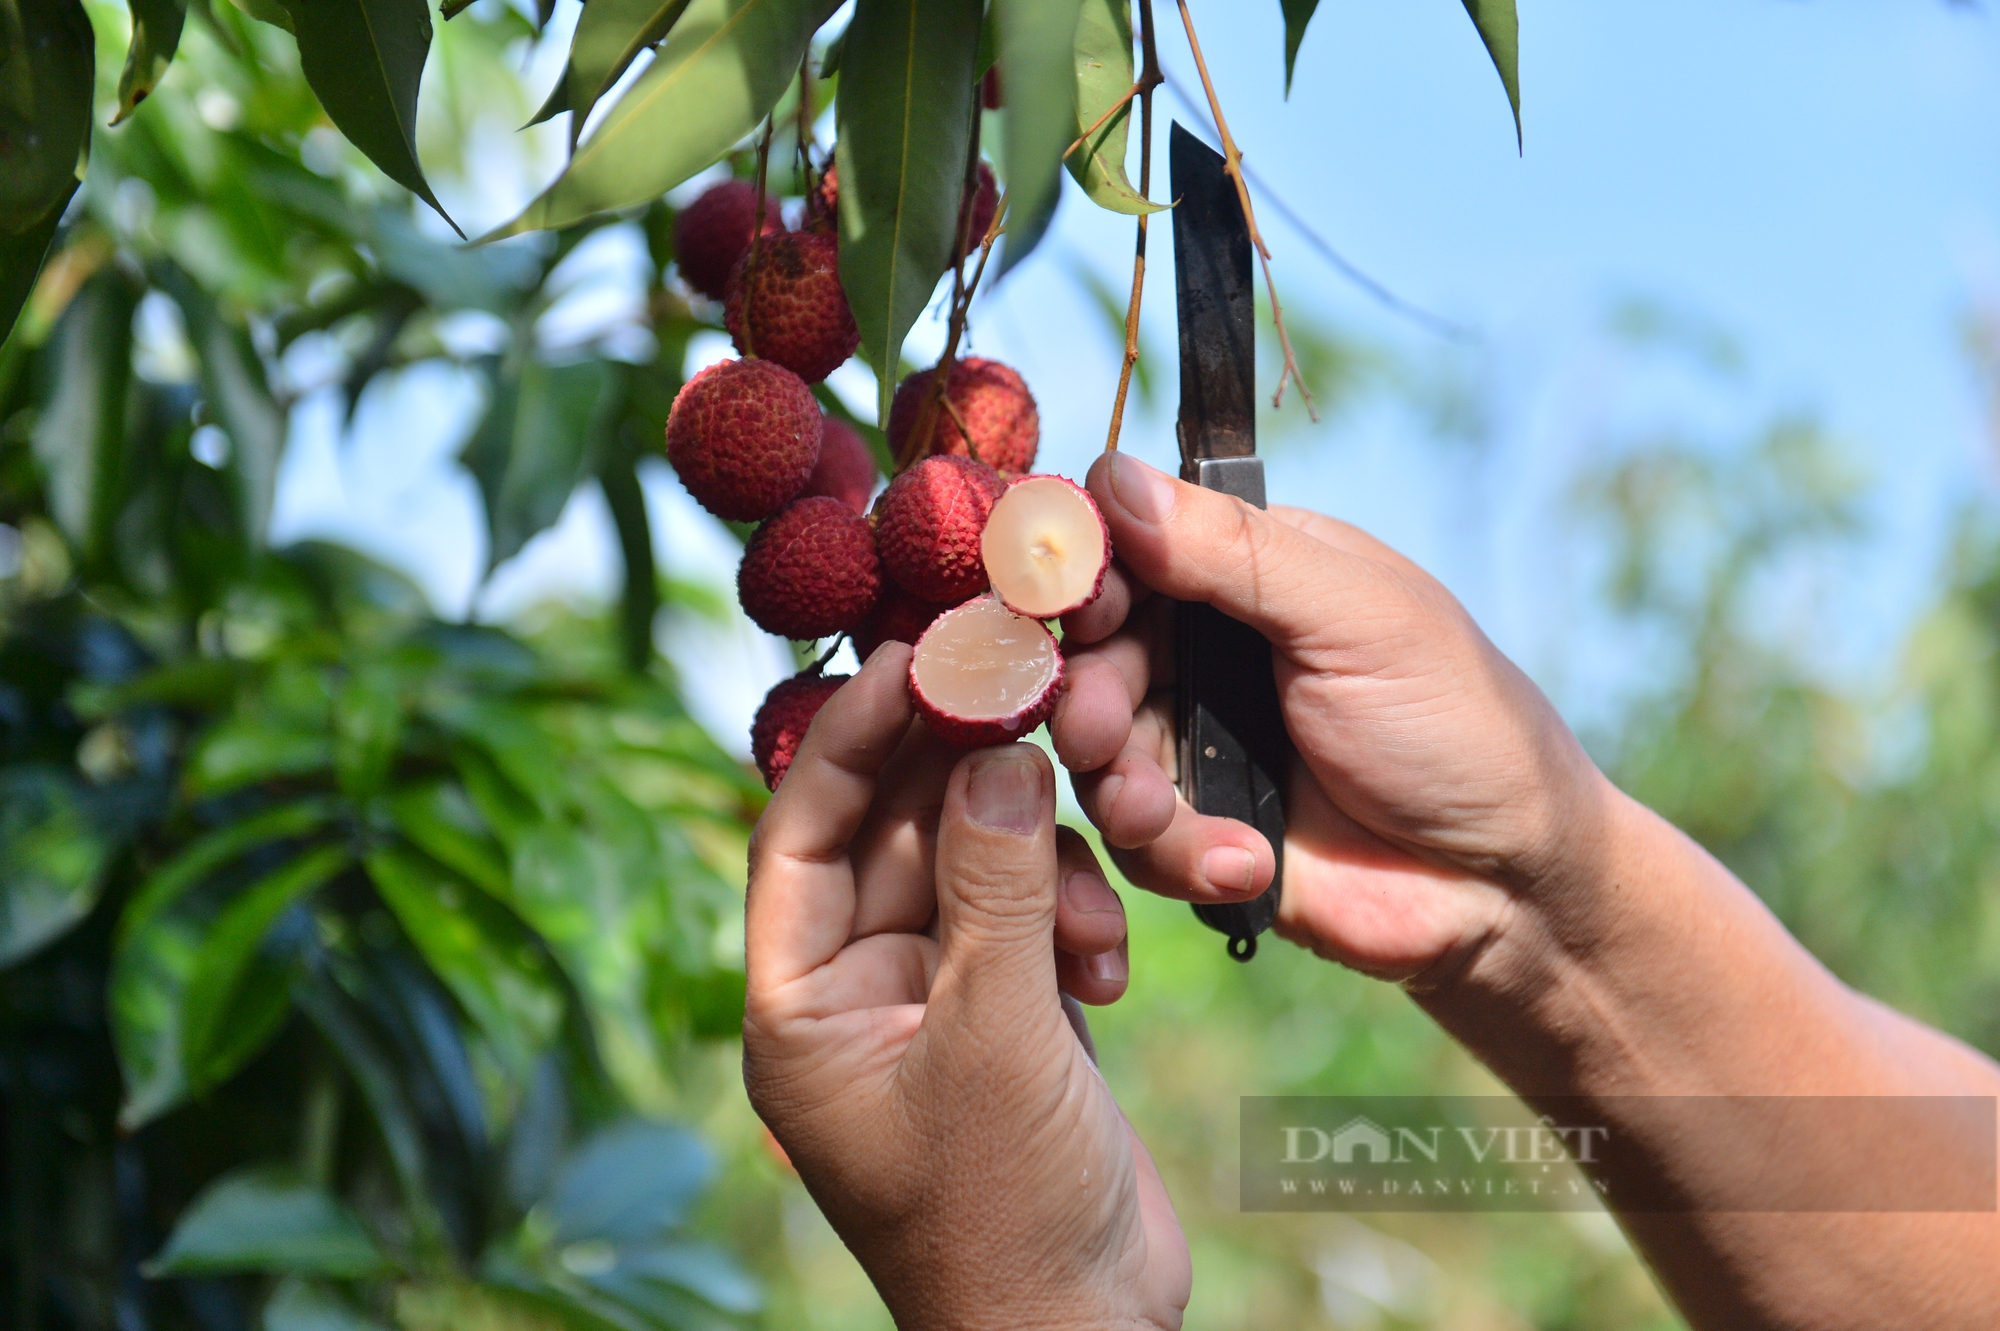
<point x="757" y="231"/>
<point x="1149" y="79"/>
<point x="961" y="301"/>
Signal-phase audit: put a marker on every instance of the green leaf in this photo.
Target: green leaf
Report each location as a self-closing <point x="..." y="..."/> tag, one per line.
<point x="266" y="11"/>
<point x="610" y="34"/>
<point x="1500" y="29"/>
<point x="80" y="438"/>
<point x="156" y="34"/>
<point x="297" y="1305"/>
<point x="253" y="747"/>
<point x="263" y="1219"/>
<point x="443" y="823"/>
<point x="21" y="260"/>
<point x="48" y="63"/>
<point x="188" y="869"/>
<point x="905" y="115"/>
<point x="534" y="446"/>
<point x="368" y="723"/>
<point x="630" y="1182"/>
<point x="239" y="399"/>
<point x="639" y="593"/>
<point x="555" y="103"/>
<point x="365" y="59"/>
<point x="1038" y="62"/>
<point x="1298" y="13"/>
<point x="722" y="69"/>
<point x="52" y="859"/>
<point x="1103" y="76"/>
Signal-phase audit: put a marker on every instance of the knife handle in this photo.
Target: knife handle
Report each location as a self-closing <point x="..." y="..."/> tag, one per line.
<point x="1234" y="751"/>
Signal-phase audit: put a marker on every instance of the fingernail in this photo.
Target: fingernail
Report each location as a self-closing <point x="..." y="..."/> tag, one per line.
<point x="1088" y="894"/>
<point x="1229" y="868"/>
<point x="1003" y="791"/>
<point x="1108" y="967"/>
<point x="1146" y="494"/>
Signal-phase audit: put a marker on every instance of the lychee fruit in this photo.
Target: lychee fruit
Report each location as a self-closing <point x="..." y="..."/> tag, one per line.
<point x="993" y="402"/>
<point x="991" y="95"/>
<point x="823" y="205"/>
<point x="982" y="674"/>
<point x="713" y="232"/>
<point x="846" y="467"/>
<point x="784" y="718"/>
<point x="810" y="571"/>
<point x="785" y="304"/>
<point x="897" y="617"/>
<point x="744" y="436"/>
<point x="928" y="523"/>
<point x="980" y="203"/>
<point x="1045" y="547"/>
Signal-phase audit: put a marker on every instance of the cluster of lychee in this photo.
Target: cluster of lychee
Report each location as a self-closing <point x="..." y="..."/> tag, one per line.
<point x="964" y="555"/>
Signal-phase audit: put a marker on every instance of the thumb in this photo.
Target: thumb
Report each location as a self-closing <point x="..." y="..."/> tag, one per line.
<point x="996" y="881"/>
<point x="1201" y="545"/>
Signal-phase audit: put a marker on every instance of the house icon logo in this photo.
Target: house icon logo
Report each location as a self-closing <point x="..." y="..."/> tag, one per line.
<point x="1361" y="1140"/>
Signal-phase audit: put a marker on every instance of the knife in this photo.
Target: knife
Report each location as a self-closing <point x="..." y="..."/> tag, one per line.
<point x="1234" y="751"/>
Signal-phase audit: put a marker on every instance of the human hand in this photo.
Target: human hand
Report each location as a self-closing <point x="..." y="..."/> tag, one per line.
<point x="910" y="913"/>
<point x="1436" y="788"/>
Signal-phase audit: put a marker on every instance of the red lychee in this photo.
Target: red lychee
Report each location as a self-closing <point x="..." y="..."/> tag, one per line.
<point x="784" y="718"/>
<point x="897" y="617"/>
<point x="928" y="525"/>
<point x="713" y="232"/>
<point x="991" y="95"/>
<point x="1046" y="547"/>
<point x="823" y="205"/>
<point x="744" y="436"/>
<point x="980" y="203"/>
<point x="810" y="571"/>
<point x="846" y="469"/>
<point x="786" y="304"/>
<point x="992" y="401"/>
<point x="982" y="674"/>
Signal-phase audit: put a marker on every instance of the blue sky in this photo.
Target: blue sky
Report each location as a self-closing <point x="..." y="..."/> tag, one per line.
<point x="1819" y="181"/>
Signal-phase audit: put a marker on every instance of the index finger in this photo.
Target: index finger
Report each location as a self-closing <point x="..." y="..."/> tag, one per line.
<point x="801" y="899"/>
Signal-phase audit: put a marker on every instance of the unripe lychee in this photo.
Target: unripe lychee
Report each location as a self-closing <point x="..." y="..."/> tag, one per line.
<point x="713" y="232"/>
<point x="992" y="401"/>
<point x="1046" y="547"/>
<point x="810" y="571"/>
<point x="785" y="303"/>
<point x="846" y="468"/>
<point x="980" y="202"/>
<point x="744" y="436"/>
<point x="982" y="674"/>
<point x="928" y="523"/>
<point x="783" y="720"/>
<point x="897" y="617"/>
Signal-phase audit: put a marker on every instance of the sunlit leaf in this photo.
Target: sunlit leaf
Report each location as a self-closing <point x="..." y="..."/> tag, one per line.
<point x="1500" y="29"/>
<point x="156" y="34"/>
<point x="1298" y="13"/>
<point x="725" y="65"/>
<point x="610" y="34"/>
<point x="533" y="447"/>
<point x="48" y="61"/>
<point x="1038" y="62"/>
<point x="440" y="821"/>
<point x="263" y="1219"/>
<point x="21" y="258"/>
<point x="1103" y="78"/>
<point x="52" y="859"/>
<point x="266" y="11"/>
<point x="80" y="438"/>
<point x="905" y="113"/>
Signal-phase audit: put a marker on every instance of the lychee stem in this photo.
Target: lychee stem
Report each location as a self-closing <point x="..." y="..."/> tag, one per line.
<point x="1149" y="79"/>
<point x="757" y="233"/>
<point x="1232" y="162"/>
<point x="961" y="301"/>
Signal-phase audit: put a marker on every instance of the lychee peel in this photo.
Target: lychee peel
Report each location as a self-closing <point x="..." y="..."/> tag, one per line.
<point x="928" y="525"/>
<point x="992" y="400"/>
<point x="1045" y="547"/>
<point x="783" y="719"/>
<point x="982" y="674"/>
<point x="846" y="468"/>
<point x="810" y="571"/>
<point x="785" y="303"/>
<point x="897" y="617"/>
<point x="713" y="233"/>
<point x="744" y="437"/>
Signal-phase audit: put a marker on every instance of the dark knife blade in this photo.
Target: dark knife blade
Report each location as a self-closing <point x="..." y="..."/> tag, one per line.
<point x="1234" y="752"/>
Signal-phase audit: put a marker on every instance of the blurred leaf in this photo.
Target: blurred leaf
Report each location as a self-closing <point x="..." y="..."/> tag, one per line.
<point x="48" y="59"/>
<point x="1103" y="76"/>
<point x="610" y="34"/>
<point x="52" y="859"/>
<point x="266" y="11"/>
<point x="254" y="747"/>
<point x="639" y="594"/>
<point x="1038" y="59"/>
<point x="725" y="65"/>
<point x="535" y="444"/>
<point x="239" y="399"/>
<point x="629" y="1183"/>
<point x="701" y="1269"/>
<point x="441" y="822"/>
<point x="368" y="723"/>
<point x="263" y="1219"/>
<point x="80" y="438"/>
<point x="156" y="34"/>
<point x="1500" y="29"/>
<point x="905" y="115"/>
<point x="555" y="103"/>
<point x="462" y="1306"/>
<point x="21" y="258"/>
<point x="365" y="59"/>
<point x="298" y="1305"/>
<point x="1298" y="13"/>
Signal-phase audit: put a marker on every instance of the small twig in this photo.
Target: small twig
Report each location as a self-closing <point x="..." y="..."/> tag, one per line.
<point x="817" y="666"/>
<point x="803" y="148"/>
<point x="1232" y="159"/>
<point x="1113" y="110"/>
<point x="756" y="231"/>
<point x="1149" y="79"/>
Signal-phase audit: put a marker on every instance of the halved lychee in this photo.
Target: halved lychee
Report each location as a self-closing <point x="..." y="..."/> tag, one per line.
<point x="982" y="674"/>
<point x="1045" y="547"/>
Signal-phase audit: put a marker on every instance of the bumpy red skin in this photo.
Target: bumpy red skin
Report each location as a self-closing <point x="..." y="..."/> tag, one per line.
<point x="744" y="437"/>
<point x="1097" y="587"/>
<point x="810" y="571"/>
<point x="823" y="206"/>
<point x="897" y="617"/>
<point x="927" y="526"/>
<point x="992" y="400"/>
<point x="713" y="233"/>
<point x="790" y="307"/>
<point x="965" y="734"/>
<point x="783" y="720"/>
<point x="846" y="469"/>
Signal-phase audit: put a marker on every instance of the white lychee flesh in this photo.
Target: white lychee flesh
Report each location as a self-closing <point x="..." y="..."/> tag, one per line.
<point x="984" y="675"/>
<point x="1045" y="547"/>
